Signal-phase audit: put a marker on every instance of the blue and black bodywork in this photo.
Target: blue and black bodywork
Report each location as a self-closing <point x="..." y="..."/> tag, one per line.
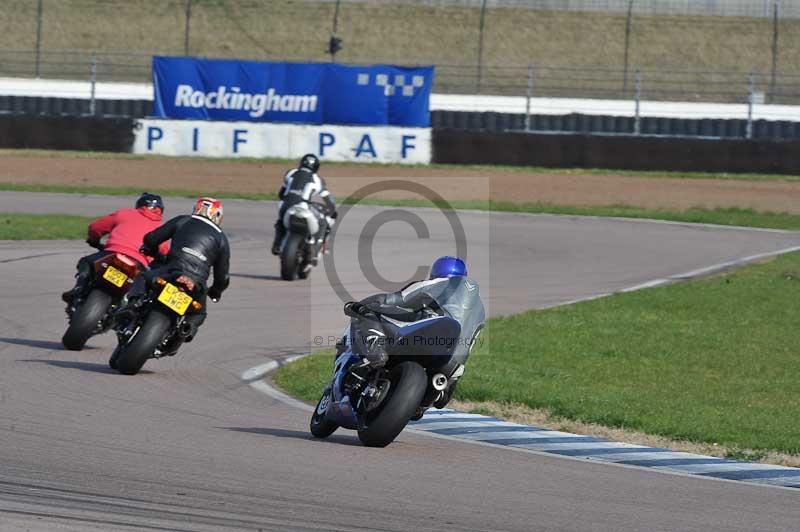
<point x="429" y="343"/>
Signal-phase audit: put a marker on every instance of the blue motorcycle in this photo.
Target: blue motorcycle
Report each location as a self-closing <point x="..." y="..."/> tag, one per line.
<point x="379" y="402"/>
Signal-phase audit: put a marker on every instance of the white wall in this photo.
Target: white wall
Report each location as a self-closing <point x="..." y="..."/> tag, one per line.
<point x="202" y="138"/>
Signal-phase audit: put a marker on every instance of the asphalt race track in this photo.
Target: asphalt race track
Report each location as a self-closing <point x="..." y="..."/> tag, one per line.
<point x="187" y="445"/>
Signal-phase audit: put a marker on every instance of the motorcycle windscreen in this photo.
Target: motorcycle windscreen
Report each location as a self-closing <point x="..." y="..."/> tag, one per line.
<point x="435" y="339"/>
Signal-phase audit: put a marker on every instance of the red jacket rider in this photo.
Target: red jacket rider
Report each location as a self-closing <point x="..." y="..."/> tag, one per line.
<point x="126" y="229"/>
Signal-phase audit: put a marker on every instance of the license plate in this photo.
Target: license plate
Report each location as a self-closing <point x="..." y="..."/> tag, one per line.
<point x="114" y="276"/>
<point x="174" y="299"/>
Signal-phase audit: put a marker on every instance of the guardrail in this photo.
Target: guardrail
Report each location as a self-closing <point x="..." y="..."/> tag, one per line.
<point x="526" y="80"/>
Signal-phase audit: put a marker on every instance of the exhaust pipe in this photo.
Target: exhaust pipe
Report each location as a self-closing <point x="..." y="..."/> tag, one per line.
<point x="439" y="382"/>
<point x="185" y="330"/>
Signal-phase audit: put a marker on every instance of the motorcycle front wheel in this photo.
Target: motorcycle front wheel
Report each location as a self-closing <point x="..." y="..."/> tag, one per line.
<point x="132" y="356"/>
<point x="321" y="427"/>
<point x="383" y="424"/>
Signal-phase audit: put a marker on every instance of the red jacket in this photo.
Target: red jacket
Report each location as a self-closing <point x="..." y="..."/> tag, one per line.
<point x="127" y="228"/>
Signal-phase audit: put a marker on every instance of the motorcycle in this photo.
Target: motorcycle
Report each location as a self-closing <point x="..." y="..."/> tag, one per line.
<point x="378" y="402"/>
<point x="306" y="227"/>
<point x="90" y="312"/>
<point x="157" y="325"/>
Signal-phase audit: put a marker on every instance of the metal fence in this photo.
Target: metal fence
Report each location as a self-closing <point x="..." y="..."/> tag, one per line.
<point x="524" y="80"/>
<point x="711" y="8"/>
<point x="526" y="94"/>
<point x="689" y="50"/>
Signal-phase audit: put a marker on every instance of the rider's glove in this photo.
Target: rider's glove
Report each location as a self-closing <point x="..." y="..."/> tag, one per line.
<point x="360" y="309"/>
<point x="95" y="243"/>
<point x="144" y="250"/>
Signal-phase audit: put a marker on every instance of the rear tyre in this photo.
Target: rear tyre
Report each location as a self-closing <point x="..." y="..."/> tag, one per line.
<point x="409" y="383"/>
<point x="131" y="357"/>
<point x="290" y="257"/>
<point x="85" y="320"/>
<point x="321" y="427"/>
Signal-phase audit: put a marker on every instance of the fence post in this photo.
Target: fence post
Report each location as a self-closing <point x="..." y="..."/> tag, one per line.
<point x="480" y="45"/>
<point x="751" y="84"/>
<point x="528" y="99"/>
<point x="187" y="27"/>
<point x="335" y="43"/>
<point x="637" y="121"/>
<point x="774" y="51"/>
<point x="93" y="83"/>
<point x="39" y="9"/>
<point x="628" y="22"/>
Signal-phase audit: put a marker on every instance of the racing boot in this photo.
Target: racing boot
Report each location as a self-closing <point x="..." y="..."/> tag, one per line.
<point x="280" y="232"/>
<point x="129" y="306"/>
<point x="81" y="279"/>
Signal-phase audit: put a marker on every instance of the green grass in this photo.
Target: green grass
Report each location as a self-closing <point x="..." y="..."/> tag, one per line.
<point x="715" y="360"/>
<point x="726" y="216"/>
<point x="42" y="227"/>
<point x="132" y="191"/>
<point x="722" y="216"/>
<point x="306" y="377"/>
<point x="490" y="169"/>
<point x="406" y="34"/>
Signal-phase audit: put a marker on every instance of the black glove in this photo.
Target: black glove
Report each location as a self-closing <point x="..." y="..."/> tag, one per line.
<point x="355" y="309"/>
<point x="95" y="243"/>
<point x="144" y="250"/>
<point x="215" y="294"/>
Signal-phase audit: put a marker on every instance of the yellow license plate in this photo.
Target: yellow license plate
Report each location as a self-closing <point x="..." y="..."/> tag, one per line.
<point x="114" y="276"/>
<point x="174" y="299"/>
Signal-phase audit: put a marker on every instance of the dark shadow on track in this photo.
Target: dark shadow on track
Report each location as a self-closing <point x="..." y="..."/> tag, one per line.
<point x="296" y="434"/>
<point x="41" y="344"/>
<point x="260" y="277"/>
<point x="83" y="366"/>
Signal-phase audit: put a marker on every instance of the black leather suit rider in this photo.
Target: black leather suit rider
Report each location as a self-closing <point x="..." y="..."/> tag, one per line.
<point x="197" y="246"/>
<point x="301" y="185"/>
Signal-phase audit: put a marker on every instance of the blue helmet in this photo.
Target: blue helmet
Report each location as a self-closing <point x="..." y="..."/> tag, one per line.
<point x="448" y="267"/>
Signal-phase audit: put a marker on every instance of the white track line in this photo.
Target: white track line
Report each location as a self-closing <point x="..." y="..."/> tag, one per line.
<point x="255" y="378"/>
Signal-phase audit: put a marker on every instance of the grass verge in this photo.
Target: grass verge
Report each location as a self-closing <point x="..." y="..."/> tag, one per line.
<point x="42" y="227"/>
<point x="721" y="216"/>
<point x="452" y="167"/>
<point x="712" y="362"/>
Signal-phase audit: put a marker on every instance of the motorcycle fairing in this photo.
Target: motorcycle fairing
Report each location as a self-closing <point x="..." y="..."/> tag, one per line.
<point x="301" y="211"/>
<point x="341" y="409"/>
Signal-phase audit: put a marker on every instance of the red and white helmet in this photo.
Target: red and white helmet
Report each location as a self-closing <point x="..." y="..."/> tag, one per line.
<point x="209" y="208"/>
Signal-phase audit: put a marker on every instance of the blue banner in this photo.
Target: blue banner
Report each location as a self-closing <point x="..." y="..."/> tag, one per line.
<point x="307" y="93"/>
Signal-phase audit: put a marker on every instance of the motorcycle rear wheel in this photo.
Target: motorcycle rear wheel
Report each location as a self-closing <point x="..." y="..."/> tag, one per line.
<point x="291" y="257"/>
<point x="85" y="320"/>
<point x="384" y="424"/>
<point x="131" y="357"/>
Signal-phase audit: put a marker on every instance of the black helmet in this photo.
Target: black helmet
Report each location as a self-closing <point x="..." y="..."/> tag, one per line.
<point x="310" y="161"/>
<point x="152" y="201"/>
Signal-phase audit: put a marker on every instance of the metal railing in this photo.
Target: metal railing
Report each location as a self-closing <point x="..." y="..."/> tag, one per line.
<point x="712" y="8"/>
<point x="739" y="35"/>
<point x="536" y="80"/>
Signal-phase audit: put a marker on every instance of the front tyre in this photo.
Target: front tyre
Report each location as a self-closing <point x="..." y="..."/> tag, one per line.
<point x="86" y="319"/>
<point x="132" y="356"/>
<point x="408" y="385"/>
<point x="290" y="257"/>
<point x="321" y="427"/>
